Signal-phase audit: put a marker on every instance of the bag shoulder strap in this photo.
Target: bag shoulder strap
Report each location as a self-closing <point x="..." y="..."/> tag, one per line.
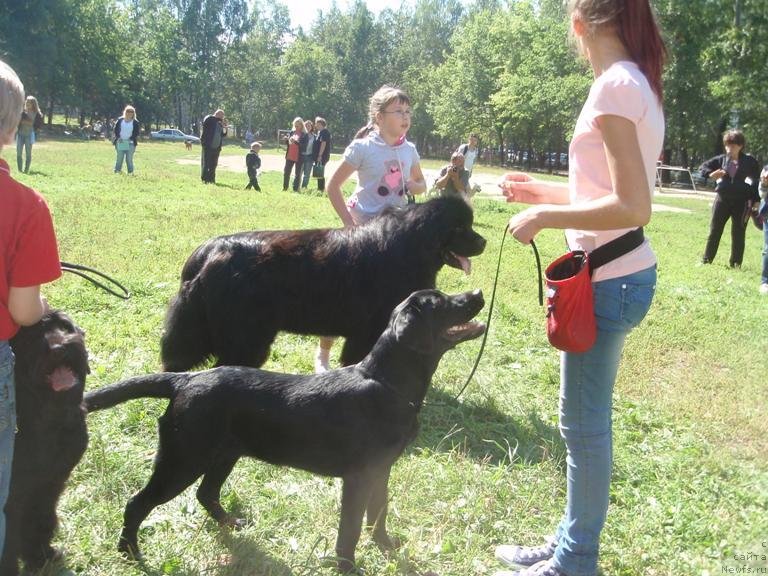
<point x="615" y="248"/>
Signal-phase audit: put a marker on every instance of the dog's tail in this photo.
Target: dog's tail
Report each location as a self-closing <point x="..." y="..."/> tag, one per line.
<point x="160" y="385"/>
<point x="185" y="342"/>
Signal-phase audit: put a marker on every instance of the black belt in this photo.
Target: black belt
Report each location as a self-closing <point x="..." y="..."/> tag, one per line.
<point x="615" y="248"/>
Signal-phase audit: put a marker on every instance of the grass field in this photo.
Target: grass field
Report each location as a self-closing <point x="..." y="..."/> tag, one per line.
<point x="690" y="485"/>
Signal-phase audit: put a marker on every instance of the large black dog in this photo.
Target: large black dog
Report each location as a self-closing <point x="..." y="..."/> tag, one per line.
<point x="237" y="292"/>
<point x="352" y="423"/>
<point x="51" y="367"/>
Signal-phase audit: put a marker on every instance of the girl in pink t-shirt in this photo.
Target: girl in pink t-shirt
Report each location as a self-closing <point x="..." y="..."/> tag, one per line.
<point x="612" y="161"/>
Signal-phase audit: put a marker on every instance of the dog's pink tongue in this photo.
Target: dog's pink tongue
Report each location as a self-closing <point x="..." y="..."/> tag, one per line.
<point x="62" y="379"/>
<point x="466" y="264"/>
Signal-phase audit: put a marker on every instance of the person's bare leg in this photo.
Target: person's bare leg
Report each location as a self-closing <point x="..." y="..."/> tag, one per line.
<point x="323" y="354"/>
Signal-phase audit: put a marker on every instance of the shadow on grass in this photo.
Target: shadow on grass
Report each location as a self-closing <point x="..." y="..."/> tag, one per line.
<point x="486" y="434"/>
<point x="247" y="557"/>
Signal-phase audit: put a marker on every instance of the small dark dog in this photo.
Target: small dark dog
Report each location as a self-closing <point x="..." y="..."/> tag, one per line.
<point x="51" y="367"/>
<point x="351" y="423"/>
<point x="188" y="144"/>
<point x="237" y="292"/>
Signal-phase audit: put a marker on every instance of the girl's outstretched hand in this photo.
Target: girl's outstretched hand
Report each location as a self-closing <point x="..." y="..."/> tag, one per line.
<point x="519" y="187"/>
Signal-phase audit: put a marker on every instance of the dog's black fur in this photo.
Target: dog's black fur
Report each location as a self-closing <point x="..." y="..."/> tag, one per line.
<point x="351" y="423"/>
<point x="237" y="292"/>
<point x="51" y="367"/>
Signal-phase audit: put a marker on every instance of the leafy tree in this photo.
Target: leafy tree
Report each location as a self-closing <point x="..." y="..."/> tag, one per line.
<point x="252" y="88"/>
<point x="688" y="33"/>
<point x="465" y="83"/>
<point x="735" y="65"/>
<point x="542" y="91"/>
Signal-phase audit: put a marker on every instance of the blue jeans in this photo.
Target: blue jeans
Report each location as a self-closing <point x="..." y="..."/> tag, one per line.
<point x="24" y="142"/>
<point x="128" y="155"/>
<point x="586" y="395"/>
<point x="308" y="162"/>
<point x="7" y="429"/>
<point x="764" y="275"/>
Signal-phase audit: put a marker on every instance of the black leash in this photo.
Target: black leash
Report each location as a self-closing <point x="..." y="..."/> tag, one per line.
<point x="81" y="270"/>
<point x="493" y="300"/>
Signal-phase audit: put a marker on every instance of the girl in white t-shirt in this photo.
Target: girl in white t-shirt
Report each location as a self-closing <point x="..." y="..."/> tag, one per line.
<point x="387" y="167"/>
<point x="612" y="161"/>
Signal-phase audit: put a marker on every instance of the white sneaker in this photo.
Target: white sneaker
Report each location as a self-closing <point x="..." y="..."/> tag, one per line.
<point x="516" y="555"/>
<point x="322" y="360"/>
<point x="763" y="288"/>
<point x="544" y="568"/>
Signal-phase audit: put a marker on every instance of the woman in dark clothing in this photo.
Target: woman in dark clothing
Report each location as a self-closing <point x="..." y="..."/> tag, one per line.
<point x="297" y="141"/>
<point x="322" y="148"/>
<point x="31" y="122"/>
<point x="737" y="175"/>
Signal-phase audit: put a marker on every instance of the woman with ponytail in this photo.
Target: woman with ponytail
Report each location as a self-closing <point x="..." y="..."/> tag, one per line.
<point x="387" y="167"/>
<point x="612" y="168"/>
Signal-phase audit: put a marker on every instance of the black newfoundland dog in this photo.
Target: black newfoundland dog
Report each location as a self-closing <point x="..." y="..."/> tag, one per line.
<point x="51" y="367"/>
<point x="351" y="423"/>
<point x="237" y="292"/>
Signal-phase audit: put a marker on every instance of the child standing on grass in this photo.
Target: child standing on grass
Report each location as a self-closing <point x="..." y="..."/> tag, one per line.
<point x="253" y="164"/>
<point x="387" y="167"/>
<point x="28" y="257"/>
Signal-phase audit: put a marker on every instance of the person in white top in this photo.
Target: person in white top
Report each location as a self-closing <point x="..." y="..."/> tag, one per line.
<point x="127" y="130"/>
<point x="470" y="151"/>
<point x="307" y="153"/>
<point x="612" y="159"/>
<point x="387" y="167"/>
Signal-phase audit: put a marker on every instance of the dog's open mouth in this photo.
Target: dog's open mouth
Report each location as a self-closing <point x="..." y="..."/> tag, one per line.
<point x="62" y="378"/>
<point x="456" y="261"/>
<point x="462" y="332"/>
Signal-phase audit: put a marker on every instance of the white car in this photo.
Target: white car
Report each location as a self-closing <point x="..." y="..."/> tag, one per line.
<point x="174" y="135"/>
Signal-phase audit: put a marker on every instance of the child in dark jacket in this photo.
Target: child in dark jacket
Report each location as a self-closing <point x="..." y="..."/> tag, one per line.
<point x="253" y="163"/>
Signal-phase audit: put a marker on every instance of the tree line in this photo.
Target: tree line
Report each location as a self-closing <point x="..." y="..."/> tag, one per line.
<point x="503" y="69"/>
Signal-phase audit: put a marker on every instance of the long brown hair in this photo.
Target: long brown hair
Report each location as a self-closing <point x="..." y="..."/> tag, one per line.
<point x="636" y="27"/>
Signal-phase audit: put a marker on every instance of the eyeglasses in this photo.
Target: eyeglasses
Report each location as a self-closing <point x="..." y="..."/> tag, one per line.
<point x="402" y="113"/>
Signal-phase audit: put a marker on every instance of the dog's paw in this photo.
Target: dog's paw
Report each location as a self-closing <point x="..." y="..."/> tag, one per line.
<point x="346" y="566"/>
<point x="387" y="542"/>
<point x="233" y="523"/>
<point x="130" y="550"/>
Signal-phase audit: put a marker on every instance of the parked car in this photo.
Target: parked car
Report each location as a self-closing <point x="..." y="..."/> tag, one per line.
<point x="174" y="135"/>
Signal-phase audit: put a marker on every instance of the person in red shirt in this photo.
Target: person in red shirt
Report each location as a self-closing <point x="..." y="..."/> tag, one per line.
<point x="29" y="257"/>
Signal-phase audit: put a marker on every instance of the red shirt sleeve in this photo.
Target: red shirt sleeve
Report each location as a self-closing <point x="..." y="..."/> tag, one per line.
<point x="36" y="257"/>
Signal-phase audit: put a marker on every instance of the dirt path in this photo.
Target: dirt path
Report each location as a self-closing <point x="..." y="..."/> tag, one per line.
<point x="488" y="182"/>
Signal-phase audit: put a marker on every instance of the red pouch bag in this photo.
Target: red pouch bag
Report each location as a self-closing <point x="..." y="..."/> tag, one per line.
<point x="571" y="324"/>
<point x="293" y="152"/>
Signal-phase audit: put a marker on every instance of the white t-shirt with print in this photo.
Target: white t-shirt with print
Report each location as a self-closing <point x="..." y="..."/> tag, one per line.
<point x="382" y="173"/>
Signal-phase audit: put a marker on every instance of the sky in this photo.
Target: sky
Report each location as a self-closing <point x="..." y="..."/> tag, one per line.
<point x="304" y="12"/>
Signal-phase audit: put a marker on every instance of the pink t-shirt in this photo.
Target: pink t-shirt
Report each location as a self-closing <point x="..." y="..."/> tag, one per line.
<point x="622" y="90"/>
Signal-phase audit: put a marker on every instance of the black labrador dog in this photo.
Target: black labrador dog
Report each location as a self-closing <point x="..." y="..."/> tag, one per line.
<point x="51" y="367"/>
<point x="237" y="292"/>
<point x="351" y="423"/>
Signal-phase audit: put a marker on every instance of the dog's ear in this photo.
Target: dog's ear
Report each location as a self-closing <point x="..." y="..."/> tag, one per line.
<point x="413" y="329"/>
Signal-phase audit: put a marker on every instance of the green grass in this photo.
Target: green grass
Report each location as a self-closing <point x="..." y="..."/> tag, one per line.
<point x="690" y="488"/>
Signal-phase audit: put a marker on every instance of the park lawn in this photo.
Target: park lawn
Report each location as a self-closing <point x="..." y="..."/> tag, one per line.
<point x="690" y="486"/>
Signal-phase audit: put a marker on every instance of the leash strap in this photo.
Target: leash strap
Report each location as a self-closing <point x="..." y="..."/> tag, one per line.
<point x="493" y="300"/>
<point x="81" y="270"/>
